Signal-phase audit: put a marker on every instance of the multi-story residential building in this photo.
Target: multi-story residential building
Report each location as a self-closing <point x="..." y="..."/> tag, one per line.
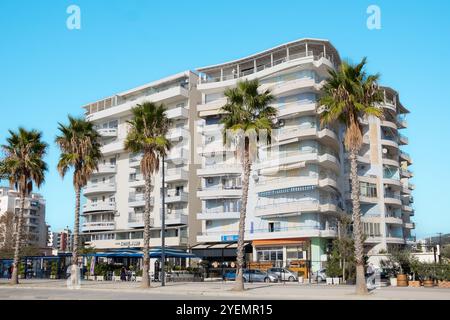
<point x="35" y="227"/>
<point x="113" y="212"/>
<point x="294" y="199"/>
<point x="62" y="240"/>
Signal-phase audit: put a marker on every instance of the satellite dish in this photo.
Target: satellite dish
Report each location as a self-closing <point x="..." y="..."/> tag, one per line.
<point x="384" y="150"/>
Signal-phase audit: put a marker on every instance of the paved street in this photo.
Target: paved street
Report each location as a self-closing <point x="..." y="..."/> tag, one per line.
<point x="56" y="289"/>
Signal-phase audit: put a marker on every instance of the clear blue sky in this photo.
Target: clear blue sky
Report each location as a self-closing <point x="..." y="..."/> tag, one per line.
<point x="48" y="71"/>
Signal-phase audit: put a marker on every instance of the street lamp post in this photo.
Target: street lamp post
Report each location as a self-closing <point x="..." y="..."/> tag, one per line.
<point x="163" y="227"/>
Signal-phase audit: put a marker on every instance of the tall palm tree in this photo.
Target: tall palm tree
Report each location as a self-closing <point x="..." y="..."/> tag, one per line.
<point x="349" y="95"/>
<point x="24" y="167"/>
<point x="147" y="135"/>
<point x="247" y="111"/>
<point x="80" y="151"/>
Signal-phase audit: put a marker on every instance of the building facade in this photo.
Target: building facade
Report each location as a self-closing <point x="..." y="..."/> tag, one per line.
<point x="299" y="189"/>
<point x="113" y="212"/>
<point x="35" y="226"/>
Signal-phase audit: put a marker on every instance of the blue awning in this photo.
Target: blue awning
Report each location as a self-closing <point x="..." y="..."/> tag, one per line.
<point x="154" y="253"/>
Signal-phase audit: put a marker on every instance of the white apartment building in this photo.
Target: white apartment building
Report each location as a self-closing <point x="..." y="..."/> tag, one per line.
<point x="113" y="211"/>
<point x="294" y="201"/>
<point x="34" y="215"/>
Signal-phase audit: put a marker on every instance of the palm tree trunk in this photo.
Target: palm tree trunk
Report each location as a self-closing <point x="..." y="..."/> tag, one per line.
<point x="239" y="285"/>
<point x="19" y="229"/>
<point x="75" y="271"/>
<point x="361" y="287"/>
<point x="146" y="258"/>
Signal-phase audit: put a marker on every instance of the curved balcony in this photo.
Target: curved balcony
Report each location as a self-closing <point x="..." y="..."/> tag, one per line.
<point x="284" y="159"/>
<point x="304" y="132"/>
<point x="395" y="240"/>
<point x="390" y="161"/>
<point x="409" y="225"/>
<point x="393" y="182"/>
<point x="138" y="200"/>
<point x="93" y="189"/>
<point x="389" y="124"/>
<point x="390" y="105"/>
<point x="283" y="182"/>
<point x="389" y="141"/>
<point x="107" y="132"/>
<point x="292" y="85"/>
<point x="392" y="198"/>
<point x="99" y="206"/>
<point x="98" y="226"/>
<point x="294" y="208"/>
<point x="406" y="157"/>
<point x="178" y="113"/>
<point x="296" y="108"/>
<point x="393" y="220"/>
<point x="105" y="169"/>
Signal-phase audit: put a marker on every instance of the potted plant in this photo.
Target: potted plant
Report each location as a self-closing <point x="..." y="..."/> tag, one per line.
<point x="402" y="258"/>
<point x="334" y="270"/>
<point x="391" y="269"/>
<point x="443" y="275"/>
<point x="54" y="270"/>
<point x="116" y="276"/>
<point x="427" y="274"/>
<point x="415" y="270"/>
<point x="21" y="270"/>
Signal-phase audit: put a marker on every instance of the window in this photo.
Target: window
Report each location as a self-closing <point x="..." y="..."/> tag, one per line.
<point x="368" y="190"/>
<point x="274" y="226"/>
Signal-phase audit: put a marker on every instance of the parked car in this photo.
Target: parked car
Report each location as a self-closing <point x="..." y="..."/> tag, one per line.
<point x="284" y="274"/>
<point x="252" y="276"/>
<point x="320" y="275"/>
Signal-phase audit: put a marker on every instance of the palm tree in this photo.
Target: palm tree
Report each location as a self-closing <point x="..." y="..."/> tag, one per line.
<point x="24" y="167"/>
<point x="349" y="95"/>
<point x="147" y="135"/>
<point x="80" y="151"/>
<point x="247" y="111"/>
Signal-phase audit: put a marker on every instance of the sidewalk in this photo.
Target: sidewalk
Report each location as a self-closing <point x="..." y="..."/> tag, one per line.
<point x="219" y="290"/>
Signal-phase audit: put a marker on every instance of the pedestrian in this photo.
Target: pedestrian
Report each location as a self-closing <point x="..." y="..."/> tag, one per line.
<point x="10" y="271"/>
<point x="123" y="274"/>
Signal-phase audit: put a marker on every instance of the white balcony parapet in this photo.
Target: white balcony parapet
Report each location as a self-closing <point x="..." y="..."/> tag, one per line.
<point x="136" y="220"/>
<point x="98" y="226"/>
<point x="105" y="169"/>
<point x="98" y="188"/>
<point x="107" y="132"/>
<point x="220" y="169"/>
<point x="176" y="174"/>
<point x="99" y="206"/>
<point x="218" y="215"/>
<point x="180" y="196"/>
<point x="138" y="200"/>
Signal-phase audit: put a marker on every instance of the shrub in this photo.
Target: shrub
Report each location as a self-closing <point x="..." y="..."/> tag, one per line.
<point x="333" y="264"/>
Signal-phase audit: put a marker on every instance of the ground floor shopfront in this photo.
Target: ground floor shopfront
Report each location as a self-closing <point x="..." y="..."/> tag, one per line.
<point x="304" y="255"/>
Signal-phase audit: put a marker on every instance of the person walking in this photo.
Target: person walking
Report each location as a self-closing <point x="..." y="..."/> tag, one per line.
<point x="10" y="271"/>
<point x="123" y="274"/>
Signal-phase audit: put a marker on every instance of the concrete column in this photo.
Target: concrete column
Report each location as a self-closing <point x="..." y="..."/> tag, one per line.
<point x="221" y="74"/>
<point x="271" y="59"/>
<point x="306" y="48"/>
<point x="284" y="257"/>
<point x="254" y="65"/>
<point x="287" y="53"/>
<point x="324" y="51"/>
<point x="317" y="250"/>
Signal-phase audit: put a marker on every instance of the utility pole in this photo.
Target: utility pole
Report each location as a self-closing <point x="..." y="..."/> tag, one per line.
<point x="440" y="246"/>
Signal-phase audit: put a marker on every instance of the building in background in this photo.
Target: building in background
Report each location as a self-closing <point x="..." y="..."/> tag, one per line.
<point x="295" y="199"/>
<point x="62" y="240"/>
<point x="35" y="226"/>
<point x="113" y="212"/>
